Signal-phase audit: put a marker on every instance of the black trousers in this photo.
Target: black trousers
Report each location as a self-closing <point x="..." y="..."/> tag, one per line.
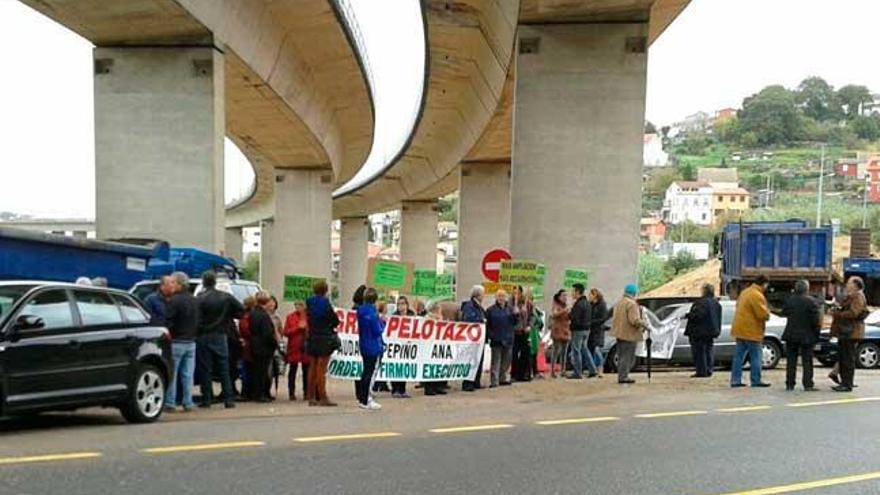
<point x="291" y="378"/>
<point x="363" y="384"/>
<point x="847" y="359"/>
<point x="398" y="387"/>
<point x="703" y="353"/>
<point x="521" y="364"/>
<point x="792" y="350"/>
<point x="473" y="385"/>
<point x="260" y="377"/>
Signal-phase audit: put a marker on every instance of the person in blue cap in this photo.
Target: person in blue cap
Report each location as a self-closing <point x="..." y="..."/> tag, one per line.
<point x="626" y="327"/>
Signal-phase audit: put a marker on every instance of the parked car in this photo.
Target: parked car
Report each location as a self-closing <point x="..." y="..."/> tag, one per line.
<point x="867" y="353"/>
<point x="237" y="287"/>
<point x="64" y="346"/>
<point x="725" y="345"/>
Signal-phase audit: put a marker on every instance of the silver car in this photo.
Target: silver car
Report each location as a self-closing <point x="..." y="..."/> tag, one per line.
<point x="725" y="344"/>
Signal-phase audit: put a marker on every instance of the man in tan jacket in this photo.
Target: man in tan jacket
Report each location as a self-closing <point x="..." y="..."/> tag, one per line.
<point x="749" y="323"/>
<point x="626" y="327"/>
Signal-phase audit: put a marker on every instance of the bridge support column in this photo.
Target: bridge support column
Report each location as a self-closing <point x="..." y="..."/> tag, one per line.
<point x="577" y="150"/>
<point x="483" y="219"/>
<point x="159" y="128"/>
<point x="353" y="239"/>
<point x="418" y="234"/>
<point x="234" y="244"/>
<point x="296" y="241"/>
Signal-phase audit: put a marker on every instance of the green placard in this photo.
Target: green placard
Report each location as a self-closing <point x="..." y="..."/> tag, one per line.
<point x="575" y="276"/>
<point x="515" y="272"/>
<point x="391" y="275"/>
<point x="443" y="288"/>
<point x="538" y="289"/>
<point x="298" y="287"/>
<point x="424" y="282"/>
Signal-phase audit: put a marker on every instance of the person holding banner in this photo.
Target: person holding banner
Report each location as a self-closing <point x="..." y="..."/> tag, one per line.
<point x="520" y="363"/>
<point x="321" y="343"/>
<point x="398" y="389"/>
<point x="296" y="330"/>
<point x="370" y="329"/>
<point x="434" y="388"/>
<point x="500" y="322"/>
<point x="560" y="331"/>
<point x="703" y="327"/>
<point x="472" y="311"/>
<point x="627" y="328"/>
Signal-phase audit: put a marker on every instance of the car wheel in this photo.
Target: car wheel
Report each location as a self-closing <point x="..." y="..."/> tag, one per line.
<point x="146" y="396"/>
<point x="612" y="360"/>
<point x="868" y="355"/>
<point x="770" y="354"/>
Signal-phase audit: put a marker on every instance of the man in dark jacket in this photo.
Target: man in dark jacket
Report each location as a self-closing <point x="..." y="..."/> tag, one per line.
<point x="703" y="327"/>
<point x="182" y="320"/>
<point x="217" y="314"/>
<point x="472" y="311"/>
<point x="157" y="301"/>
<point x="581" y="313"/>
<point x="801" y="334"/>
<point x="500" y="321"/>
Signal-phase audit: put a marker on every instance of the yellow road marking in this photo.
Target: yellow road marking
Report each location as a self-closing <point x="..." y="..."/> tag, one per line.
<point x="49" y="458"/>
<point x="353" y="436"/>
<point x="743" y="409"/>
<point x="574" y="421"/>
<point x="671" y="414"/>
<point x="204" y="446"/>
<point x="833" y="402"/>
<point x="460" y="429"/>
<point x="809" y="485"/>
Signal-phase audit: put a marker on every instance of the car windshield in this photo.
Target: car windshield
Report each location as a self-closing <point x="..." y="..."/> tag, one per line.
<point x="9" y="294"/>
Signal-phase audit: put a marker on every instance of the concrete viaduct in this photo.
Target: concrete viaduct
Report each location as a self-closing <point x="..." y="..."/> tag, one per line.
<point x="533" y="110"/>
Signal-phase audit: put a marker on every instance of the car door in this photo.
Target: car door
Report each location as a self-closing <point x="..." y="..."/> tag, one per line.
<point x="725" y="344"/>
<point x="39" y="365"/>
<point x="105" y="343"/>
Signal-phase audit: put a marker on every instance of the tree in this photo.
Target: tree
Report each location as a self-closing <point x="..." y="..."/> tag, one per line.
<point x="251" y="269"/>
<point x="769" y="117"/>
<point x="866" y="127"/>
<point x="650" y="128"/>
<point x="682" y="262"/>
<point x="664" y="131"/>
<point x="652" y="272"/>
<point x="688" y="171"/>
<point x="852" y="97"/>
<point x="818" y="99"/>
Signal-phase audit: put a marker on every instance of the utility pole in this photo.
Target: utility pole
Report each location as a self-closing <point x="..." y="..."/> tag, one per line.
<point x="821" y="186"/>
<point x="865" y="201"/>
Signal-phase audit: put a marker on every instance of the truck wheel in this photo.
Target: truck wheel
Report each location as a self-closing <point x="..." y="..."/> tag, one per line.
<point x="770" y="355"/>
<point x="868" y="355"/>
<point x="146" y="395"/>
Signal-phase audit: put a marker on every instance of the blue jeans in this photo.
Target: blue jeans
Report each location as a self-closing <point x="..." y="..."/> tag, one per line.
<point x="580" y="355"/>
<point x="184" y="354"/>
<point x="598" y="358"/>
<point x="755" y="352"/>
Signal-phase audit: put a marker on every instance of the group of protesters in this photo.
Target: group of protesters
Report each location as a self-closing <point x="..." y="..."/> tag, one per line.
<point x="203" y="329"/>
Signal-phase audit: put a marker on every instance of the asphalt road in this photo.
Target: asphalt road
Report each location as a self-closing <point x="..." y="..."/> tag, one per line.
<point x="642" y="440"/>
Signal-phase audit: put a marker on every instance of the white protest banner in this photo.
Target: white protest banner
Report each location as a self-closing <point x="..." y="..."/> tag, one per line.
<point x="416" y="349"/>
<point x="663" y="338"/>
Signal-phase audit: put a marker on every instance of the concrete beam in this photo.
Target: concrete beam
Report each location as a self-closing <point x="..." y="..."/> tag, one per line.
<point x="159" y="127"/>
<point x="418" y="234"/>
<point x="233" y="245"/>
<point x="577" y="158"/>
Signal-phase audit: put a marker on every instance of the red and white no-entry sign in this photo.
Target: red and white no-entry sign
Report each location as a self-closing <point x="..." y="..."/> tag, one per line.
<point x="491" y="266"/>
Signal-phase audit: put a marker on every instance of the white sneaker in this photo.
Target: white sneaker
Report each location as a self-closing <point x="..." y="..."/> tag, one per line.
<point x="364" y="406"/>
<point x="373" y="405"/>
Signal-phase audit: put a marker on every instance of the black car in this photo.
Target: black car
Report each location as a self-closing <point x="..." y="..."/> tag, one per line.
<point x="65" y="346"/>
<point x="867" y="352"/>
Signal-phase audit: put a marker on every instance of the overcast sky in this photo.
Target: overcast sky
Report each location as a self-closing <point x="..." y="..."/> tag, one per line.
<point x="716" y="53"/>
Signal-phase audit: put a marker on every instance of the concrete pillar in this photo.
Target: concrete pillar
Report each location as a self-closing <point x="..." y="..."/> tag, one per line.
<point x="577" y="150"/>
<point x="296" y="241"/>
<point x="353" y="239"/>
<point x="483" y="219"/>
<point x="159" y="127"/>
<point x="418" y="234"/>
<point x="234" y="243"/>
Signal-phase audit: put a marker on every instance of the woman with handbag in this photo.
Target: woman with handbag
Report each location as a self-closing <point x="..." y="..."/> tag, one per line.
<point x="848" y="325"/>
<point x="296" y="329"/>
<point x="322" y="341"/>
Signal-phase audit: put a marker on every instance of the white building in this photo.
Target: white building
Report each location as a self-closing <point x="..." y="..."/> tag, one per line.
<point x="688" y="201"/>
<point x="653" y="153"/>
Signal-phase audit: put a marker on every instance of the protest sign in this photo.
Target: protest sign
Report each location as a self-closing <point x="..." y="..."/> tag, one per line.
<point x="443" y="288"/>
<point x="298" y="287"/>
<point x="575" y="276"/>
<point x="416" y="349"/>
<point x="424" y="283"/>
<point x="391" y="275"/>
<point x="663" y="338"/>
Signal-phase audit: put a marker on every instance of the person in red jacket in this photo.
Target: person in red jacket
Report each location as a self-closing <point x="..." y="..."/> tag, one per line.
<point x="247" y="357"/>
<point x="296" y="329"/>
